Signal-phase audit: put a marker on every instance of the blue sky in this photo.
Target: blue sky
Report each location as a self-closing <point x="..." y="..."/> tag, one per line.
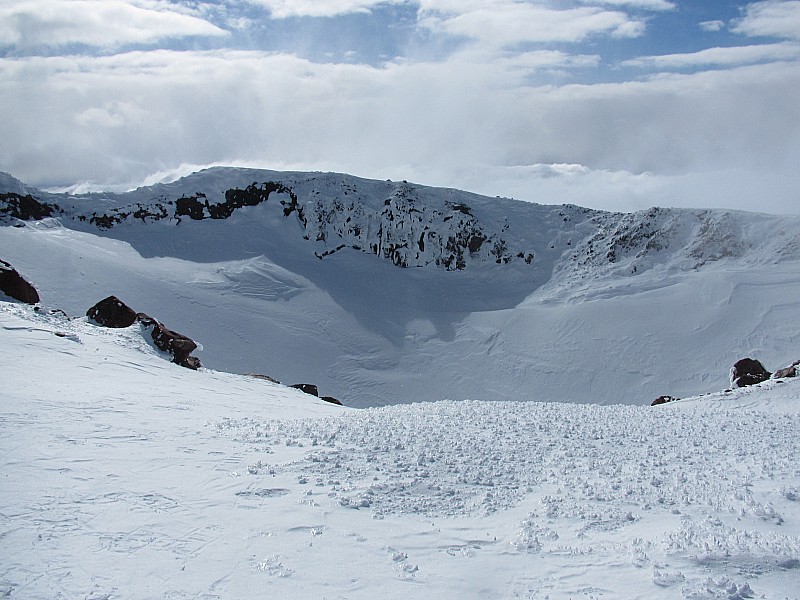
<point x="617" y="104"/>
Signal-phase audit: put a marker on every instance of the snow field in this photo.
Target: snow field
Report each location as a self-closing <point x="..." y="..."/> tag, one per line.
<point x="125" y="476"/>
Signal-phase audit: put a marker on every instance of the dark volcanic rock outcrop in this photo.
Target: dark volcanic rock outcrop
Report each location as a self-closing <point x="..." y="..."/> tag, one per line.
<point x="112" y="312"/>
<point x="663" y="400"/>
<point x="14" y="286"/>
<point x="166" y="340"/>
<point x="311" y="389"/>
<point x="307" y="388"/>
<point x="25" y="208"/>
<point x="790" y="371"/>
<point x="748" y="371"/>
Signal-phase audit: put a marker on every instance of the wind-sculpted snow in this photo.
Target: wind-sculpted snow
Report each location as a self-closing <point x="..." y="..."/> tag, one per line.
<point x="475" y="458"/>
<point x="126" y="476"/>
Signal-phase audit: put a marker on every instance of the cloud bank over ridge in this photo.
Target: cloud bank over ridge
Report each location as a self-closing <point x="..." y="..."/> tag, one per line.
<point x="618" y="104"/>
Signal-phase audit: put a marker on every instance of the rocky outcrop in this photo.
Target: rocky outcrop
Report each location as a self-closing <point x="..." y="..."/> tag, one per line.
<point x="24" y="208"/>
<point x="663" y="400"/>
<point x="307" y="388"/>
<point x="14" y="286"/>
<point x="311" y="389"/>
<point x="166" y="340"/>
<point x="790" y="371"/>
<point x="112" y="312"/>
<point x="198" y="207"/>
<point x="748" y="371"/>
<point x="407" y="231"/>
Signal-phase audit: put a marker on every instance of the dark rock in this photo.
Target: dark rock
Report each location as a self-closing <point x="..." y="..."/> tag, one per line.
<point x="166" y="340"/>
<point x="748" y="371"/>
<point x="25" y="208"/>
<point x="14" y="286"/>
<point x="663" y="400"/>
<point x="308" y="388"/>
<point x="112" y="312"/>
<point x="790" y="371"/>
<point x="331" y="399"/>
<point x="189" y="207"/>
<point x="191" y="362"/>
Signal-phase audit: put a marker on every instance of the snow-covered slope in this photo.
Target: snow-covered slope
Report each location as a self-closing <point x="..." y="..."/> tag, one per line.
<point x="126" y="476"/>
<point x="387" y="292"/>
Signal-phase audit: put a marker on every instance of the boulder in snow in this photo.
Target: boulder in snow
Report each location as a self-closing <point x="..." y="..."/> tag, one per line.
<point x="166" y="340"/>
<point x="790" y="371"/>
<point x="112" y="312"/>
<point x="308" y="388"/>
<point x="748" y="371"/>
<point x="14" y="286"/>
<point x="663" y="400"/>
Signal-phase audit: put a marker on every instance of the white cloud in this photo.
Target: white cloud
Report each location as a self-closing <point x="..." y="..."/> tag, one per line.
<point x="26" y="24"/>
<point x="460" y="123"/>
<point x="772" y="18"/>
<point x="711" y="25"/>
<point x="505" y="23"/>
<point x="282" y="9"/>
<point x="656" y="5"/>
<point x="737" y="55"/>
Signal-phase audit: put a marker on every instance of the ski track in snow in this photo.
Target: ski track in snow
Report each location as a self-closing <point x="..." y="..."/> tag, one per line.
<point x="124" y="476"/>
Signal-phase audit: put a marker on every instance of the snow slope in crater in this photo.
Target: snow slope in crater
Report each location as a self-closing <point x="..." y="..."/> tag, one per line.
<point x="125" y="476"/>
<point x="371" y="334"/>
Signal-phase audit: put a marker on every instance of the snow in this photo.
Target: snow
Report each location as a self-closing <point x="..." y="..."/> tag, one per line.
<point x="496" y="441"/>
<point x="126" y="476"/>
<point x="687" y="294"/>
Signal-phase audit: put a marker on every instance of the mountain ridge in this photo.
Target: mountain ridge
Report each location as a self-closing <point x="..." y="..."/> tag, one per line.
<point x="315" y="276"/>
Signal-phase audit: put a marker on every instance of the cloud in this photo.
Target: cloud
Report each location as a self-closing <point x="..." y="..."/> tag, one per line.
<point x="711" y="25"/>
<point x="478" y="116"/>
<point x="282" y="9"/>
<point x="736" y="55"/>
<point x="505" y="23"/>
<point x="26" y="24"/>
<point x="125" y="116"/>
<point x="771" y="18"/>
<point x="655" y="5"/>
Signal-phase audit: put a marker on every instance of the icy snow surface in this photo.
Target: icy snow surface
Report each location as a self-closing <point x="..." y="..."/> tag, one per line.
<point x="125" y="476"/>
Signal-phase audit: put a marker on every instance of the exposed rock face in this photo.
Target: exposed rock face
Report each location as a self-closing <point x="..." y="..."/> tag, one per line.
<point x="407" y="232"/>
<point x="112" y="312"/>
<point x="748" y="371"/>
<point x="25" y="208"/>
<point x="790" y="371"/>
<point x="663" y="400"/>
<point x="307" y="388"/>
<point x="14" y="286"/>
<point x="166" y="340"/>
<point x="197" y="207"/>
<point x="311" y="389"/>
